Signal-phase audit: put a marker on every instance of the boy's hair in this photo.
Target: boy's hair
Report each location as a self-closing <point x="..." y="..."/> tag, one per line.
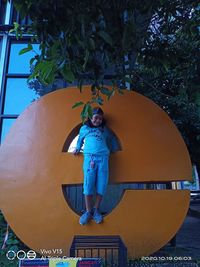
<point x="96" y="110"/>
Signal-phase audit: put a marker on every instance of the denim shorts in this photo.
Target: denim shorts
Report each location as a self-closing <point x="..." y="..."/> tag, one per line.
<point x="96" y="173"/>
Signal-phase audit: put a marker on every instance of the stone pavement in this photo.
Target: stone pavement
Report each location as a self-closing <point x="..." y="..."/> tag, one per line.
<point x="187" y="249"/>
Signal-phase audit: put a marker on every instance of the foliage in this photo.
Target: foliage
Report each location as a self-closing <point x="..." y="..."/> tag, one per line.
<point x="148" y="46"/>
<point x="172" y="78"/>
<point x="12" y="244"/>
<point x="84" y="40"/>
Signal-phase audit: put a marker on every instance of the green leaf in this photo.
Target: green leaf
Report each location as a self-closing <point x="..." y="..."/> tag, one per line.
<point x="80" y="85"/>
<point x="100" y="100"/>
<point x="17" y="30"/>
<point x="86" y="59"/>
<point x="32" y="76"/>
<point x="32" y="60"/>
<point x="45" y="71"/>
<point x="105" y="91"/>
<point x="12" y="30"/>
<point x="12" y="242"/>
<point x="16" y="26"/>
<point x="127" y="79"/>
<point x="77" y="104"/>
<point x="55" y="48"/>
<point x="112" y="92"/>
<point x="93" y="89"/>
<point x="14" y="248"/>
<point x="106" y="37"/>
<point x="90" y="111"/>
<point x="91" y="44"/>
<point x="26" y="49"/>
<point x="120" y="92"/>
<point x="86" y="112"/>
<point x="67" y="74"/>
<point x="22" y="8"/>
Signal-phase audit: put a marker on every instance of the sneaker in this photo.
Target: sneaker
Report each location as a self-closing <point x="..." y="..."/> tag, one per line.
<point x="84" y="219"/>
<point x="97" y="217"/>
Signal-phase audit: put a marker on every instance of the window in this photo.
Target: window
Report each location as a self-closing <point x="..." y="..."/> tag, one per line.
<point x="16" y="92"/>
<point x="15" y="17"/>
<point x="2" y="11"/>
<point x="20" y="63"/>
<point x="6" y="125"/>
<point x="18" y="96"/>
<point x="0" y="45"/>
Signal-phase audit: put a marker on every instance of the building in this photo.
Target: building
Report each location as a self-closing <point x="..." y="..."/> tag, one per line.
<point x="15" y="92"/>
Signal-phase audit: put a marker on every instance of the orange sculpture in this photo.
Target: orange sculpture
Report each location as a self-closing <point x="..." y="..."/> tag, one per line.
<point x="33" y="169"/>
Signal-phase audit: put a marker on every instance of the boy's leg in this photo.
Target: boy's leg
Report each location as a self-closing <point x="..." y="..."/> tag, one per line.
<point x="88" y="202"/>
<point x="102" y="177"/>
<point x="84" y="219"/>
<point x="97" y="201"/>
<point x="89" y="178"/>
<point x="88" y="189"/>
<point x="97" y="216"/>
<point x="102" y="181"/>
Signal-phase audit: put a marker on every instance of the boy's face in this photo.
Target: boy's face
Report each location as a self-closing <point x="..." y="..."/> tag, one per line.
<point x="97" y="120"/>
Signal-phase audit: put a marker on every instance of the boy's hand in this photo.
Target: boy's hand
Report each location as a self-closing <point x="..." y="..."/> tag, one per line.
<point x="75" y="152"/>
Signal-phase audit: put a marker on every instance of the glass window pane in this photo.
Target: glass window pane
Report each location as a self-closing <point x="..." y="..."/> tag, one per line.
<point x="0" y="46"/>
<point x="6" y="125"/>
<point x="18" y="95"/>
<point x="2" y="11"/>
<point x="15" y="17"/>
<point x="21" y="63"/>
<point x="41" y="89"/>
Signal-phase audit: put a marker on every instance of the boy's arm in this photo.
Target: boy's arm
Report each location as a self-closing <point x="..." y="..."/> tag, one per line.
<point x="113" y="142"/>
<point x="80" y="140"/>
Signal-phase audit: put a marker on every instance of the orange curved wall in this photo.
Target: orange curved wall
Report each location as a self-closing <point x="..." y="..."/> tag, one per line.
<point x="33" y="169"/>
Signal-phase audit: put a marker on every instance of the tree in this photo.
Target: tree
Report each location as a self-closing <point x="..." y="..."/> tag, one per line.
<point x="148" y="46"/>
<point x="85" y="41"/>
<point x="168" y="72"/>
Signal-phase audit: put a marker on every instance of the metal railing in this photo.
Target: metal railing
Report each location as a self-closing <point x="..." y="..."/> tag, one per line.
<point x="110" y="249"/>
